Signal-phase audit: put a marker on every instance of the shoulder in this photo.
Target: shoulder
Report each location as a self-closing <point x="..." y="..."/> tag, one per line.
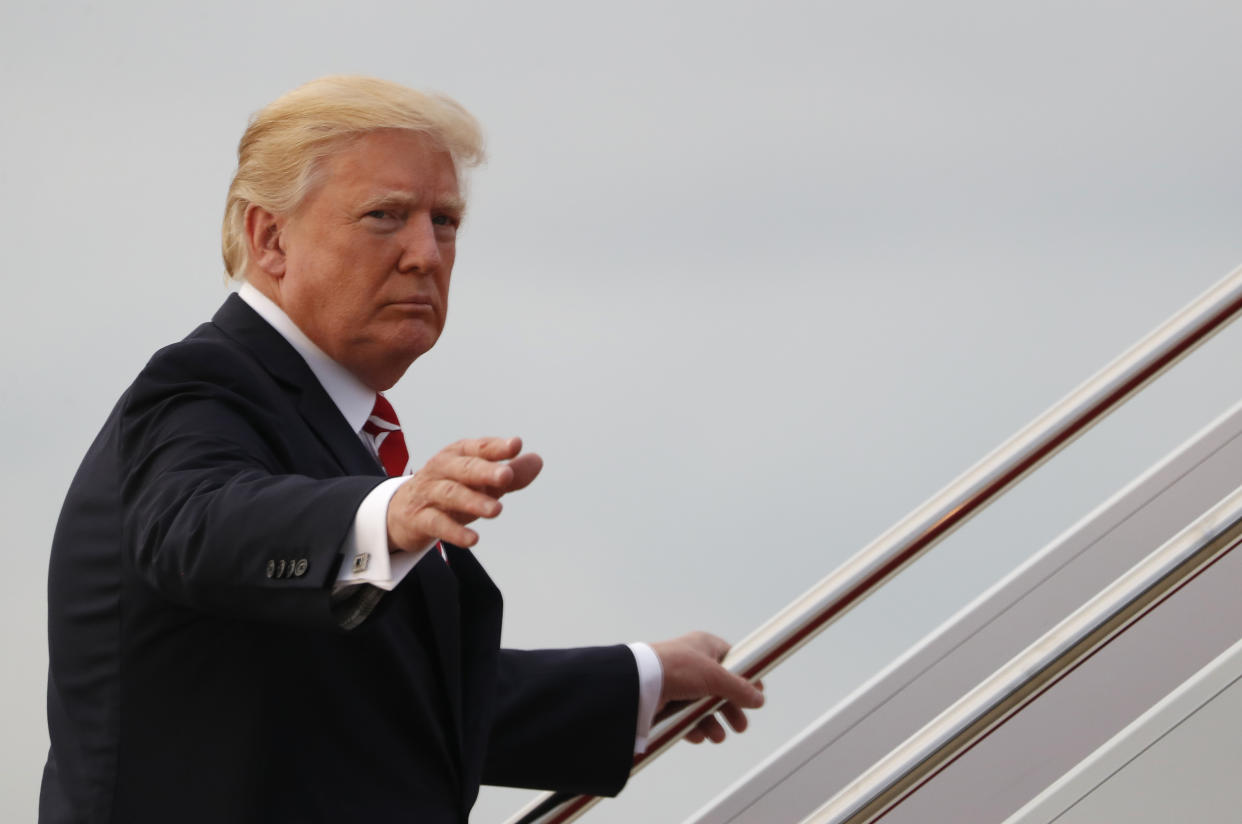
<point x="206" y="354"/>
<point x="234" y="354"/>
<point x="207" y="385"/>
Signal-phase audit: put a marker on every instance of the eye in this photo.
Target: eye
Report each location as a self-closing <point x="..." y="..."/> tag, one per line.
<point x="380" y="214"/>
<point x="446" y="220"/>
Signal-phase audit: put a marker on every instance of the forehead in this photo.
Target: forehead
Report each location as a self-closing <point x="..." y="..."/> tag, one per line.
<point x="391" y="160"/>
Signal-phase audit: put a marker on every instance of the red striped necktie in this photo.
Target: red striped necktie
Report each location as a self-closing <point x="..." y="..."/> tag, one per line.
<point x="384" y="430"/>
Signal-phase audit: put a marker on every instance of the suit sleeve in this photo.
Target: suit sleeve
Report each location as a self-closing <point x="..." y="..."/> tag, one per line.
<point x="565" y="720"/>
<point x="212" y="517"/>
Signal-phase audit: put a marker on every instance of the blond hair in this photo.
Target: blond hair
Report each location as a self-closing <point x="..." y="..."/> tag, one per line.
<point x="287" y="141"/>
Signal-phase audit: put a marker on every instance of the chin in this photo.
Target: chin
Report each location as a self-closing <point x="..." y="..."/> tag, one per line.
<point x="409" y="348"/>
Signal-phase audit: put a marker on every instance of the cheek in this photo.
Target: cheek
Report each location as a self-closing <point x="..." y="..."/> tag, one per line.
<point x="448" y="256"/>
<point x="336" y="278"/>
<point x="443" y="282"/>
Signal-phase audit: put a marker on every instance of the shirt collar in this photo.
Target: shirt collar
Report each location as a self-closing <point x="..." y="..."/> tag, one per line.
<point x="351" y="396"/>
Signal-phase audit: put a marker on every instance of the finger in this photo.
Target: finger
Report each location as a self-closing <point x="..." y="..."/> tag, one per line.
<point x="435" y="524"/>
<point x="472" y="470"/>
<point x="710" y="727"/>
<point x="695" y="736"/>
<point x="451" y="496"/>
<point x="493" y="449"/>
<point x="735" y="716"/>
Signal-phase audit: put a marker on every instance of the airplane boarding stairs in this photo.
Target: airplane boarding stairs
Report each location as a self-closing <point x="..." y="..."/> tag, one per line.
<point x="1099" y="682"/>
<point x="1091" y="702"/>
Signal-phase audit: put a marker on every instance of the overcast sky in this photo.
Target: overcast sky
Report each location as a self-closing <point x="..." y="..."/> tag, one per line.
<point x="754" y="278"/>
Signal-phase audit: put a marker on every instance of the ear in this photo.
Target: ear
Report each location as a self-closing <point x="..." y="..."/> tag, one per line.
<point x="264" y="240"/>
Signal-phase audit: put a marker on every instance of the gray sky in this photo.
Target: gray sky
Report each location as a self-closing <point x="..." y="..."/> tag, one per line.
<point x="755" y="279"/>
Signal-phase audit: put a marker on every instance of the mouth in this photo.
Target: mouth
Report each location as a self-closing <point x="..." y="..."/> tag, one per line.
<point x="414" y="304"/>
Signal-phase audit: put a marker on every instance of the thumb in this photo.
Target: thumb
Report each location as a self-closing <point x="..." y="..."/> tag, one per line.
<point x="734" y="688"/>
<point x="525" y="468"/>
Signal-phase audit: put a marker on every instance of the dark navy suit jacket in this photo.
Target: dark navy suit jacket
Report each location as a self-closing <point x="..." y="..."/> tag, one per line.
<point x="199" y="672"/>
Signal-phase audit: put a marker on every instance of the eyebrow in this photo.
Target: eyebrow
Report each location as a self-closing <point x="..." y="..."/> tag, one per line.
<point x="451" y="204"/>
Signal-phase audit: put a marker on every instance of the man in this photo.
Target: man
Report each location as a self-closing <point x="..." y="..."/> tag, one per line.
<point x="248" y="621"/>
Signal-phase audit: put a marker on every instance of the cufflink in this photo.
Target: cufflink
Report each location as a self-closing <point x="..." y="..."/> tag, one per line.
<point x="361" y="560"/>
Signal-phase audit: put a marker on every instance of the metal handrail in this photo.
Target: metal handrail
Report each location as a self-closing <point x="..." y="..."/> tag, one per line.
<point x="931" y="522"/>
<point x="1033" y="671"/>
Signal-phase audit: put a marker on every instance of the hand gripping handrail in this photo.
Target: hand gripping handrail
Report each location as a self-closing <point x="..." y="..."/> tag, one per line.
<point x="1038" y="667"/>
<point x="944" y="512"/>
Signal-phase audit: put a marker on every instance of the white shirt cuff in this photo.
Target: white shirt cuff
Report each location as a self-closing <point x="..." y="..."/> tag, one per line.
<point x="650" y="684"/>
<point x="367" y="559"/>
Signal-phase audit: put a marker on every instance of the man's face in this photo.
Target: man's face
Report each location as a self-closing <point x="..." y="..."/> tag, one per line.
<point x="369" y="253"/>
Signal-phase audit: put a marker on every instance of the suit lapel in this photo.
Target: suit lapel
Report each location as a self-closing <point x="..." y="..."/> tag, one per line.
<point x="282" y="361"/>
<point x="321" y="414"/>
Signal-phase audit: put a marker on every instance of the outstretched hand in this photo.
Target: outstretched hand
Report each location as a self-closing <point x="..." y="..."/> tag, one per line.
<point x="692" y="671"/>
<point x="462" y="482"/>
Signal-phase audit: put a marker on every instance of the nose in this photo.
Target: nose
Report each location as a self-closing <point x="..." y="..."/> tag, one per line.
<point x="420" y="249"/>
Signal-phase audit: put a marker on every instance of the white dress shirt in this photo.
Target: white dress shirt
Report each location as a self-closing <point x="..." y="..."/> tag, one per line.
<point x="368" y="536"/>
